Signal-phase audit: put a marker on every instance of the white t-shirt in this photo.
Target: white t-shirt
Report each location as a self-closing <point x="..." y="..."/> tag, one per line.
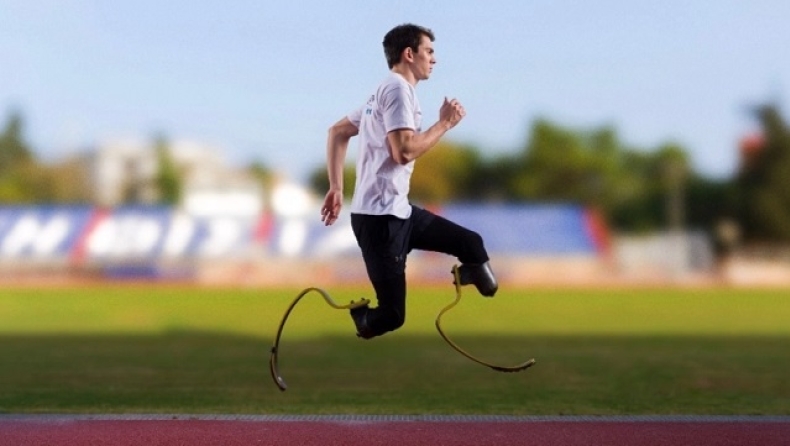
<point x="382" y="185"/>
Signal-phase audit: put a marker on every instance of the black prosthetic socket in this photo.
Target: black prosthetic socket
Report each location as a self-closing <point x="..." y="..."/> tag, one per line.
<point x="360" y="317"/>
<point x="481" y="276"/>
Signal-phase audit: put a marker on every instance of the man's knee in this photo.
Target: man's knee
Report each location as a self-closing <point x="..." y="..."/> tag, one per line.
<point x="473" y="239"/>
<point x="392" y="319"/>
<point x="474" y="250"/>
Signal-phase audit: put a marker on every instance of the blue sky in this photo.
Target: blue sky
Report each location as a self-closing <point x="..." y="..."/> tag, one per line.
<point x="264" y="80"/>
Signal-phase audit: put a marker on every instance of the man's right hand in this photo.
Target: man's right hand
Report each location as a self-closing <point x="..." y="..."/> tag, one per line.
<point x="331" y="208"/>
<point x="451" y="112"/>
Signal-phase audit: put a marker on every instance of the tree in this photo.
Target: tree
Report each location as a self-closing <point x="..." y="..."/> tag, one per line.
<point x="265" y="179"/>
<point x="709" y="202"/>
<point x="674" y="168"/>
<point x="445" y="173"/>
<point x="765" y="181"/>
<point x="13" y="150"/>
<point x="20" y="176"/>
<point x="554" y="166"/>
<point x="67" y="182"/>
<point x="629" y="186"/>
<point x="319" y="180"/>
<point x="168" y="178"/>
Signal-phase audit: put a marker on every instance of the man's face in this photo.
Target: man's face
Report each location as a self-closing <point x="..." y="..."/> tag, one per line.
<point x="424" y="59"/>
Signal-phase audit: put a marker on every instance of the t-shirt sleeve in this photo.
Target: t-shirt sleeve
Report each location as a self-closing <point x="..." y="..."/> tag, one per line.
<point x="397" y="108"/>
<point x="356" y="116"/>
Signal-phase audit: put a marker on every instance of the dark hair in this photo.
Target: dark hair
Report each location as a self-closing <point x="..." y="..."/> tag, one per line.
<point x="401" y="37"/>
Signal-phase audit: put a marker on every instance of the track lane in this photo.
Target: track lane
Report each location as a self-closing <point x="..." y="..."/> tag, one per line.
<point x="199" y="430"/>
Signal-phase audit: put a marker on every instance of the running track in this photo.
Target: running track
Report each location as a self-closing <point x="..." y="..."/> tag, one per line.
<point x="362" y="430"/>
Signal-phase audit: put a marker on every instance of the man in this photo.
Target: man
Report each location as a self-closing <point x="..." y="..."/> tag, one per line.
<point x="387" y="227"/>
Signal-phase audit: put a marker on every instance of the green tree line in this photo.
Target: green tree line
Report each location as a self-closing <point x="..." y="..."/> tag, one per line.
<point x="635" y="189"/>
<point x="24" y="179"/>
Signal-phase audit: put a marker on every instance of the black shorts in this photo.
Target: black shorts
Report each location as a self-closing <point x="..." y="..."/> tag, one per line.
<point x="386" y="240"/>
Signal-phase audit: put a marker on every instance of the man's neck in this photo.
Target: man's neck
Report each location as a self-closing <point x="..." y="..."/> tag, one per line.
<point x="405" y="73"/>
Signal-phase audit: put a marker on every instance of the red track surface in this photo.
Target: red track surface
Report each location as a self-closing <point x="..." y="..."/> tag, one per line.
<point x="28" y="431"/>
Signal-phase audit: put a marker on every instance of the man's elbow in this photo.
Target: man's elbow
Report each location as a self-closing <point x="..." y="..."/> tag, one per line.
<point x="342" y="129"/>
<point x="401" y="157"/>
<point x="334" y="131"/>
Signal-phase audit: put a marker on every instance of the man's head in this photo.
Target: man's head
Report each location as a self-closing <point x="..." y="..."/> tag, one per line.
<point x="406" y="37"/>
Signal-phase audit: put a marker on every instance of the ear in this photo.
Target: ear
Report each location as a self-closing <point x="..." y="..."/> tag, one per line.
<point x="408" y="54"/>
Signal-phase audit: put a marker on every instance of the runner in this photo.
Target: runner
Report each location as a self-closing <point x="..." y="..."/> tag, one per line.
<point x="386" y="225"/>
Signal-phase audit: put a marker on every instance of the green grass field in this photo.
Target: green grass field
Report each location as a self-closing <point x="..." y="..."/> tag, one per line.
<point x="162" y="349"/>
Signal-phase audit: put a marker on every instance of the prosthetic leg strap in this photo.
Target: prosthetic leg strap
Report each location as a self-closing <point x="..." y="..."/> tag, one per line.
<point x="498" y="368"/>
<point x="273" y="358"/>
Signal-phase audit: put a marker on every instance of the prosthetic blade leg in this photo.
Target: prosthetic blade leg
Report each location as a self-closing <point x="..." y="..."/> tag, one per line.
<point x="458" y="282"/>
<point x="273" y="358"/>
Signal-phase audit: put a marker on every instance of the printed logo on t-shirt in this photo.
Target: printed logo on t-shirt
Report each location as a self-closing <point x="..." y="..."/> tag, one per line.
<point x="369" y="109"/>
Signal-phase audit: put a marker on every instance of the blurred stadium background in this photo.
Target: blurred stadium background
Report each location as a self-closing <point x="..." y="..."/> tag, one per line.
<point x="569" y="204"/>
<point x="573" y="208"/>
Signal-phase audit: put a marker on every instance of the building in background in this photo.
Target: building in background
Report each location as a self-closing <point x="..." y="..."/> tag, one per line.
<point x="124" y="172"/>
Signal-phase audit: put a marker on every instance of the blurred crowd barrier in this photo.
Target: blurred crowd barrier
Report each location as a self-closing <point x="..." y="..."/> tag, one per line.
<point x="529" y="245"/>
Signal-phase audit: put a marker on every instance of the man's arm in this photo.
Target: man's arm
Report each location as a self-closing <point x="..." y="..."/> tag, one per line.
<point x="336" y="146"/>
<point x="407" y="145"/>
